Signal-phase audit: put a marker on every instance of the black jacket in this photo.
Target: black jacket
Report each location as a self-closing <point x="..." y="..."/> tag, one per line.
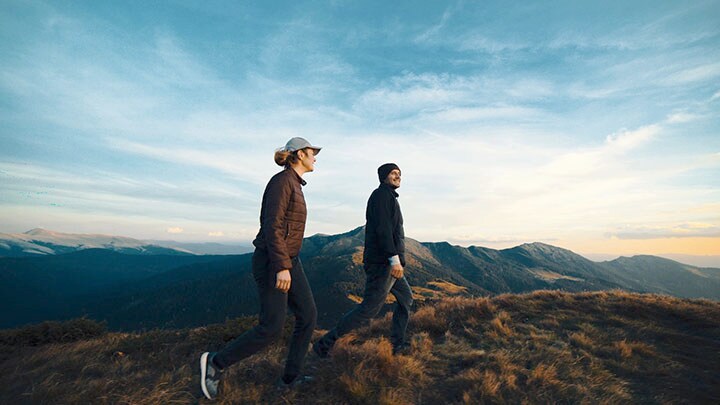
<point x="282" y="219"/>
<point x="384" y="234"/>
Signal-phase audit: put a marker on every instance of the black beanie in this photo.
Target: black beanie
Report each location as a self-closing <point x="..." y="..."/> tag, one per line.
<point x="385" y="169"/>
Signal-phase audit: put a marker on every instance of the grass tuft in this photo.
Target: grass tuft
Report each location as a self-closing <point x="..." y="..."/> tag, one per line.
<point x="53" y="332"/>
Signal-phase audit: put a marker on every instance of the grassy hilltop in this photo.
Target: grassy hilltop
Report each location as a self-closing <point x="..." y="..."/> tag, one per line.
<point x="541" y="347"/>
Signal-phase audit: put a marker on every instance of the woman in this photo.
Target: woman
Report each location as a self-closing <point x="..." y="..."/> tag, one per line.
<point x="278" y="272"/>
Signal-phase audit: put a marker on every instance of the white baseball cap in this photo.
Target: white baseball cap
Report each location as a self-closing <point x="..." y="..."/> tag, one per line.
<point x="298" y="143"/>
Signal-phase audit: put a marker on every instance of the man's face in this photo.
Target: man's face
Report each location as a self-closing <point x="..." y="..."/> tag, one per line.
<point x="393" y="178"/>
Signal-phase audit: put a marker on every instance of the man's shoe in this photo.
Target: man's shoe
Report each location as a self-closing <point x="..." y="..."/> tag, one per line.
<point x="283" y="387"/>
<point x="403" y="349"/>
<point x="319" y="351"/>
<point x="209" y="375"/>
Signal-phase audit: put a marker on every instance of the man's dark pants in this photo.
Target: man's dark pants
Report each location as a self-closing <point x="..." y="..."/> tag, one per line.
<point x="379" y="284"/>
<point x="273" y="308"/>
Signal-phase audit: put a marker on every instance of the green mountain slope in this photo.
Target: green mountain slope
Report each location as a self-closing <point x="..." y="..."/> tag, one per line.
<point x="657" y="274"/>
<point x="33" y="289"/>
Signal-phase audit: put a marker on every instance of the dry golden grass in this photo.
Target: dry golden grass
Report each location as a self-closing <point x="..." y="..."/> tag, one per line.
<point x="390" y="299"/>
<point x="447" y="287"/>
<point x="581" y="340"/>
<point x="552" y="276"/>
<point x="355" y="298"/>
<point x="421" y="294"/>
<point x="368" y="373"/>
<point x="500" y="326"/>
<point x="357" y="256"/>
<point x="542" y="347"/>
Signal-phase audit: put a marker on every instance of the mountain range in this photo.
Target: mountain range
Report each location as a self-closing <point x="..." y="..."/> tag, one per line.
<point x="41" y="242"/>
<point x="131" y="288"/>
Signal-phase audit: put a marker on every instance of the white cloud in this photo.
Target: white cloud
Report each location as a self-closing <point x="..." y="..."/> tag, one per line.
<point x="704" y="72"/>
<point x="443" y="97"/>
<point x="678" y="230"/>
<point x="502" y="193"/>
<point x="460" y="114"/>
<point x="625" y="140"/>
<point x="592" y="161"/>
<point x="491" y="240"/>
<point x="115" y="194"/>
<point x="216" y="234"/>
<point x="431" y="34"/>
<point x="681" y="118"/>
<point x="407" y="100"/>
<point x="137" y="90"/>
<point x="175" y="229"/>
<point x="481" y="42"/>
<point x="241" y="164"/>
<point x="530" y="89"/>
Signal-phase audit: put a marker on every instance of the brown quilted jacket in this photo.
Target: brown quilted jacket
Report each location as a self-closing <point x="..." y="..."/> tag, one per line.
<point x="282" y="219"/>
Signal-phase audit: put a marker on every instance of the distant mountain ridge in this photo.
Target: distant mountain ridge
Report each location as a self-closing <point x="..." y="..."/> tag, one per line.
<point x="206" y="248"/>
<point x="148" y="291"/>
<point x="40" y="242"/>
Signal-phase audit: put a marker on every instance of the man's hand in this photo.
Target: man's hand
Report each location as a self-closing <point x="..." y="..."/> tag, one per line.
<point x="283" y="280"/>
<point x="397" y="270"/>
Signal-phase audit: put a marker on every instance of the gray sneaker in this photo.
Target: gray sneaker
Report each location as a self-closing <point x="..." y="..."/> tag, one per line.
<point x="320" y="351"/>
<point x="402" y="349"/>
<point x="284" y="387"/>
<point x="209" y="375"/>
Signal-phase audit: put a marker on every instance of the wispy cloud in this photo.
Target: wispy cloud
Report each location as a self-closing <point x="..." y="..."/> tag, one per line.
<point x="693" y="74"/>
<point x="171" y="64"/>
<point x="681" y="118"/>
<point x="225" y="161"/>
<point x="430" y="35"/>
<point x="626" y="140"/>
<point x="447" y="98"/>
<point x="115" y="194"/>
<point x="464" y="114"/>
<point x="683" y="230"/>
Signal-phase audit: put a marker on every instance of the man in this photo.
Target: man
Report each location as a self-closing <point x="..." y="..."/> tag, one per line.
<point x="384" y="261"/>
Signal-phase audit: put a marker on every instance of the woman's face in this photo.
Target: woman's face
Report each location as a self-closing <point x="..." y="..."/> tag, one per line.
<point x="307" y="159"/>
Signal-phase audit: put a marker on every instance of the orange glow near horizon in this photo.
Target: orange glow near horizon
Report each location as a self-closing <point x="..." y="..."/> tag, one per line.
<point x="689" y="246"/>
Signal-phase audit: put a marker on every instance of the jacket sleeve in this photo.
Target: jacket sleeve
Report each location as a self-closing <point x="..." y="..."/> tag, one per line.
<point x="274" y="226"/>
<point x="384" y="205"/>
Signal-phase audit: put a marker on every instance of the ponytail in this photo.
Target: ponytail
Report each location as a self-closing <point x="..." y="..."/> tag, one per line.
<point x="285" y="158"/>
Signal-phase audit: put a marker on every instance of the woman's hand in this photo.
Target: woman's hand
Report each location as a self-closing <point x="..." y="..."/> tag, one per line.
<point x="283" y="280"/>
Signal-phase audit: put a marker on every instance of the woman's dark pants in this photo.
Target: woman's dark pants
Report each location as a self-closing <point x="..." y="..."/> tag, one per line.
<point x="273" y="308"/>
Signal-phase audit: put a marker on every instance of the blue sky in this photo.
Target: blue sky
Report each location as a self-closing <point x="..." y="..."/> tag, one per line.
<point x="592" y="126"/>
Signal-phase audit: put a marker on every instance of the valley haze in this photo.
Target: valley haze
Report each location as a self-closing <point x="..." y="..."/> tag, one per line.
<point x="35" y="241"/>
<point x="132" y="284"/>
